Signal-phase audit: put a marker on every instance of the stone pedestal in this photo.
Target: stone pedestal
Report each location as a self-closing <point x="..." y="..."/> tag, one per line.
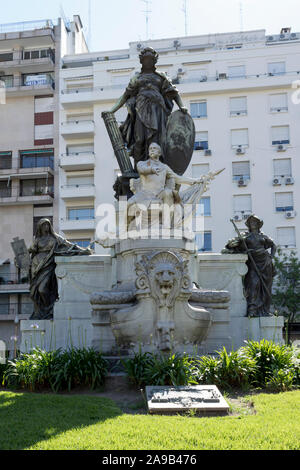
<point x="153" y="305"/>
<point x="113" y="278"/>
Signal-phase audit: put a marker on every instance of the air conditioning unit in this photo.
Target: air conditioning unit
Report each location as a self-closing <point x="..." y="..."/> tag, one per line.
<point x="180" y="71"/>
<point x="203" y="78"/>
<point x="270" y="38"/>
<point x="290" y="214"/>
<point x="284" y="37"/>
<point x="238" y="217"/>
<point x="281" y="148"/>
<point x="245" y="216"/>
<point x="176" y="43"/>
<point x="240" y="151"/>
<point x="293" y="36"/>
<point x="242" y="182"/>
<point x="222" y="76"/>
<point x="289" y="180"/>
<point x="207" y="153"/>
<point x="277" y="181"/>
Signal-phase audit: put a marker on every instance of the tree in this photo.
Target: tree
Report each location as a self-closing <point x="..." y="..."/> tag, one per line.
<point x="286" y="287"/>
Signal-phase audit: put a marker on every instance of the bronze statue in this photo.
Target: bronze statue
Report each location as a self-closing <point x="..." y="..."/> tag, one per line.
<point x="149" y="99"/>
<point x="43" y="283"/>
<point x="259" y="279"/>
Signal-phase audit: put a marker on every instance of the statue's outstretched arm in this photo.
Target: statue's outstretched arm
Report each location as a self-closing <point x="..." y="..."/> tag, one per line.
<point x="121" y="101"/>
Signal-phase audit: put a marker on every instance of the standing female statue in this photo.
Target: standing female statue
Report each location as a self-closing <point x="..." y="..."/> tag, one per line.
<point x="149" y="99"/>
<point x="259" y="279"/>
<point x="43" y="283"/>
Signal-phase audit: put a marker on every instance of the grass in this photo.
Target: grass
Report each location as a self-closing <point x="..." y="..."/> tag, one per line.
<point x="82" y="422"/>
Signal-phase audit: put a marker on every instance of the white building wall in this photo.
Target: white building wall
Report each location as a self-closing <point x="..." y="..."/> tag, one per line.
<point x="211" y="58"/>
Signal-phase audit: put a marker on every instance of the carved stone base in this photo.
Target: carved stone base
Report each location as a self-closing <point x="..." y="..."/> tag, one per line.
<point x="153" y="306"/>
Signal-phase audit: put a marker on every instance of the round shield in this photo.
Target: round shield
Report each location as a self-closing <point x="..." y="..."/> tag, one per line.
<point x="180" y="141"/>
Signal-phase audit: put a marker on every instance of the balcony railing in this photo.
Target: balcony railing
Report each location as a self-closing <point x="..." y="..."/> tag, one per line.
<point x="20" y="83"/>
<point x="76" y="154"/>
<point x="26" y="192"/>
<point x="180" y="80"/>
<point x="7" y="280"/>
<point x="37" y="162"/>
<point x="26" y="26"/>
<point x="16" y="309"/>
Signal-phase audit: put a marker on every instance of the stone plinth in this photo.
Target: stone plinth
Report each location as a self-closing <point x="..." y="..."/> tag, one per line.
<point x="202" y="399"/>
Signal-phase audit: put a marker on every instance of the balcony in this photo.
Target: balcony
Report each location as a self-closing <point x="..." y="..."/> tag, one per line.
<point x="77" y="97"/>
<point x="78" y="129"/>
<point x="26" y="33"/>
<point x="10" y="310"/>
<point x="13" y="284"/>
<point x="77" y="191"/>
<point x="17" y="87"/>
<point x="78" y="161"/>
<point x="68" y="225"/>
<point x="32" y="195"/>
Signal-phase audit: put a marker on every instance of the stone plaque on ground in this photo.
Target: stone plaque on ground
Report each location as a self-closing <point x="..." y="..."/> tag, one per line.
<point x="203" y="399"/>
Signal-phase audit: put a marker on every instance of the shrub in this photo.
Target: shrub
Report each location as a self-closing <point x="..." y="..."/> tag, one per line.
<point x="269" y="358"/>
<point x="79" y="367"/>
<point x="227" y="370"/>
<point x="159" y="369"/>
<point x="56" y="369"/>
<point x="136" y="367"/>
<point x="282" y="380"/>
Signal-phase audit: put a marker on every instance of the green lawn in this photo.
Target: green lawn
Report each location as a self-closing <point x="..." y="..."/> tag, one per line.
<point x="47" y="422"/>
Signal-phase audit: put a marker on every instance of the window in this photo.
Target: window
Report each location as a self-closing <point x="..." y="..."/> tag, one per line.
<point x="80" y="181"/>
<point x="8" y="80"/>
<point x="201" y="142"/>
<point x="238" y="106"/>
<point x="276" y="68"/>
<point x="5" y="160"/>
<point x="242" y="204"/>
<point x="79" y="149"/>
<point x="240" y="170"/>
<point x="204" y="241"/>
<point x="81" y="214"/>
<point x="239" y="138"/>
<point x="278" y="103"/>
<point x="280" y="135"/>
<point x="6" y="57"/>
<point x="4" y="304"/>
<point x="37" y="187"/>
<point x="203" y="208"/>
<point x="83" y="243"/>
<point x="199" y="110"/>
<point x="5" y="189"/>
<point x="284" y="202"/>
<point x="286" y="237"/>
<point x="37" y="158"/>
<point x="38" y="54"/>
<point x="237" y="71"/>
<point x="199" y="170"/>
<point x="282" y="167"/>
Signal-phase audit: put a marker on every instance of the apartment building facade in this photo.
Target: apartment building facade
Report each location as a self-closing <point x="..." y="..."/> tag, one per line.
<point x="30" y="64"/>
<point x="241" y="90"/>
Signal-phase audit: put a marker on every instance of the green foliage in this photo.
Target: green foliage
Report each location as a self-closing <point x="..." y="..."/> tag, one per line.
<point x="159" y="369"/>
<point x="136" y="367"/>
<point x="286" y="297"/>
<point x="270" y="358"/>
<point x="228" y="370"/>
<point x="56" y="369"/>
<point x="3" y="368"/>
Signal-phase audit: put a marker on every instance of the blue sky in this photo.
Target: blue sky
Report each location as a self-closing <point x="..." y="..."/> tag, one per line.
<point x="117" y="22"/>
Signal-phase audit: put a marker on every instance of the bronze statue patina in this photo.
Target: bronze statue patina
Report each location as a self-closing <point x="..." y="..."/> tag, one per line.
<point x="43" y="283"/>
<point x="149" y="99"/>
<point x="259" y="279"/>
